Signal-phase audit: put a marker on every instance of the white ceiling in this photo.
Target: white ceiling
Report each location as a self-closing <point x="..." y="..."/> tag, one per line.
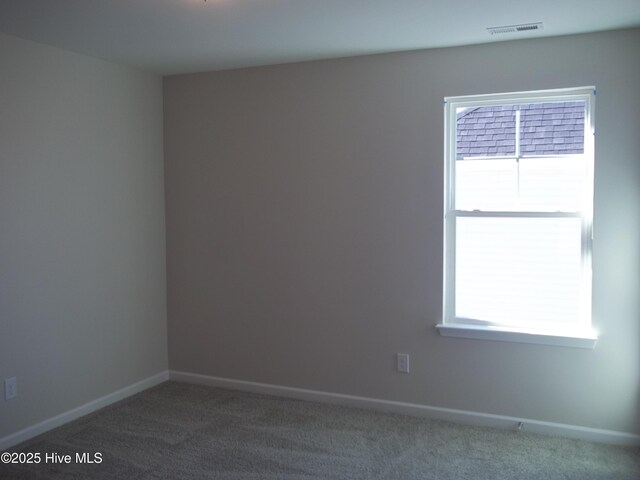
<point x="178" y="36"/>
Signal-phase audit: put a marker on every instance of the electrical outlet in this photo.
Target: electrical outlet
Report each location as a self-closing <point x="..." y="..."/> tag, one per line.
<point x="10" y="388"/>
<point x="402" y="362"/>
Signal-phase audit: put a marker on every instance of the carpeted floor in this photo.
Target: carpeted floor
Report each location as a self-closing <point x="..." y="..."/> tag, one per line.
<point x="177" y="431"/>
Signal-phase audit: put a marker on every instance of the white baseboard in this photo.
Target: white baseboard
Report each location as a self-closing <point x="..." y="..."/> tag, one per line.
<point x="82" y="410"/>
<point x="439" y="413"/>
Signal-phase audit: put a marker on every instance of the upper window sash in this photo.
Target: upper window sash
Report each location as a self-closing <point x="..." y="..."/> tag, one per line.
<point x="586" y="94"/>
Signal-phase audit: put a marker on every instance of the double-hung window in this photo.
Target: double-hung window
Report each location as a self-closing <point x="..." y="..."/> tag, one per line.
<point x="518" y="216"/>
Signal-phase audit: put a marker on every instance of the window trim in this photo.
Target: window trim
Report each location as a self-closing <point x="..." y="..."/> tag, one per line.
<point x="583" y="335"/>
<point x="504" y="334"/>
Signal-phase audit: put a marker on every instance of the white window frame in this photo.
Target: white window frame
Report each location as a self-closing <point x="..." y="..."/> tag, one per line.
<point x="580" y="335"/>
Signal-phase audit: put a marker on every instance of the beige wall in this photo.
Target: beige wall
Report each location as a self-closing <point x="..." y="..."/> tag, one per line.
<point x="304" y="229"/>
<point x="82" y="269"/>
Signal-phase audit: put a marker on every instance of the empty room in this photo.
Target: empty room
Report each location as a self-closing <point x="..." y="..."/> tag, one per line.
<point x="286" y="239"/>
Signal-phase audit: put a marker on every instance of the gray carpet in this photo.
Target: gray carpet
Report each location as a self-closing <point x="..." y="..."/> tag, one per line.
<point x="177" y="431"/>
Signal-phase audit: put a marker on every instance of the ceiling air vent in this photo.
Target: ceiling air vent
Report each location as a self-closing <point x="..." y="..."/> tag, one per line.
<point x="525" y="27"/>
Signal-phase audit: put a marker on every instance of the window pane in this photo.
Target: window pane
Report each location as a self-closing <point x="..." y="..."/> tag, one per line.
<point x="485" y="131"/>
<point x="552" y="184"/>
<point x="486" y="184"/>
<point x="518" y="271"/>
<point x="552" y="128"/>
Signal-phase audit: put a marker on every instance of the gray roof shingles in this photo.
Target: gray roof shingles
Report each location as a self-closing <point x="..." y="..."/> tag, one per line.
<point x="546" y="129"/>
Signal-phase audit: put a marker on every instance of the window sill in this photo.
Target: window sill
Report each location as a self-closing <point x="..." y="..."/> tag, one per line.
<point x="503" y="334"/>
